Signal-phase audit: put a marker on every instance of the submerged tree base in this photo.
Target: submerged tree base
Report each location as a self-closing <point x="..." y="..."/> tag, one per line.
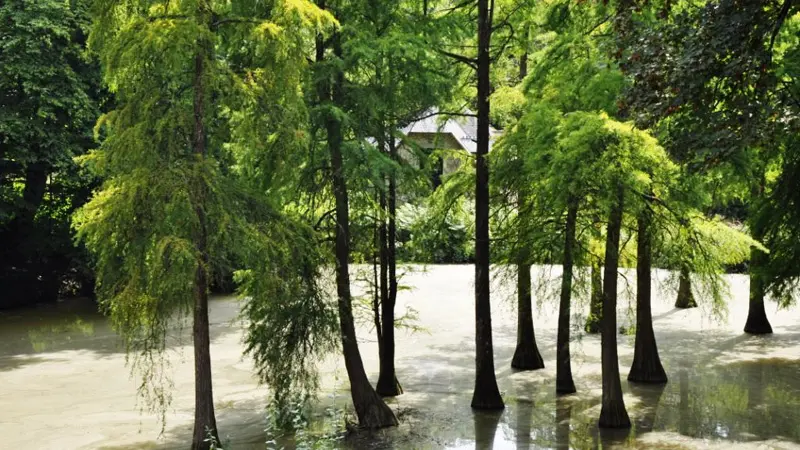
<point x="757" y="323"/>
<point x="647" y="372"/>
<point x="388" y="387"/>
<point x="486" y="395"/>
<point x="565" y="386"/>
<point x="373" y="413"/>
<point x="685" y="297"/>
<point x="614" y="416"/>
<point x="527" y="357"/>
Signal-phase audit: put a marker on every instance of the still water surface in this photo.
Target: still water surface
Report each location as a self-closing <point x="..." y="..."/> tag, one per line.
<point x="65" y="383"/>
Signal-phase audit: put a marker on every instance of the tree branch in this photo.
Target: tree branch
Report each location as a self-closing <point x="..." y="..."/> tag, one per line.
<point x="472" y="62"/>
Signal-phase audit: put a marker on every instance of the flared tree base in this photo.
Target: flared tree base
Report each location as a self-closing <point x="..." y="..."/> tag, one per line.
<point x="614" y="416"/>
<point x="685" y="296"/>
<point x="647" y="375"/>
<point x="685" y="302"/>
<point x="757" y="324"/>
<point x="527" y="357"/>
<point x="388" y="387"/>
<point x="487" y="398"/>
<point x="372" y="412"/>
<point x="565" y="386"/>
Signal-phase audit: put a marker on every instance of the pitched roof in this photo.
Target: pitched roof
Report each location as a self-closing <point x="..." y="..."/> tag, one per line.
<point x="464" y="129"/>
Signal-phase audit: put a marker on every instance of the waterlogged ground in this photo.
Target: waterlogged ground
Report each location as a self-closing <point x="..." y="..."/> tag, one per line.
<point x="65" y="384"/>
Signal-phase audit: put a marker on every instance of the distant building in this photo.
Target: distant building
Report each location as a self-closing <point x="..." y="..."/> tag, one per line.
<point x="443" y="131"/>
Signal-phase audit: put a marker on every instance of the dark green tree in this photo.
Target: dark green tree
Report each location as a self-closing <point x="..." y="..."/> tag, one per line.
<point x="50" y="96"/>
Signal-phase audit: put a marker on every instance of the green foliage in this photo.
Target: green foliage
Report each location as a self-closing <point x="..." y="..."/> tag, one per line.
<point x="432" y="238"/>
<point x="170" y="209"/>
<point x="49" y="97"/>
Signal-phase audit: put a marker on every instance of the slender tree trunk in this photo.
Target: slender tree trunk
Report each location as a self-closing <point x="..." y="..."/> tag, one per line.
<point x="757" y="322"/>
<point x="486" y="394"/>
<point x="376" y="301"/>
<point x="371" y="410"/>
<point x="526" y="355"/>
<point x="685" y="297"/>
<point x="564" y="383"/>
<point x="523" y="60"/>
<point x="596" y="299"/>
<point x="388" y="386"/>
<point x="646" y="367"/>
<point x="613" y="413"/>
<point x="205" y="422"/>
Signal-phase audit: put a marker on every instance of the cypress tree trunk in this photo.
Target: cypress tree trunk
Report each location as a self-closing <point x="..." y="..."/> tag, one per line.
<point x="486" y="394"/>
<point x="685" y="297"/>
<point x="564" y="383"/>
<point x="646" y="367"/>
<point x="526" y="355"/>
<point x="371" y="410"/>
<point x="388" y="386"/>
<point x="596" y="300"/>
<point x="376" y="300"/>
<point x="613" y="413"/>
<point x="757" y="322"/>
<point x="205" y="421"/>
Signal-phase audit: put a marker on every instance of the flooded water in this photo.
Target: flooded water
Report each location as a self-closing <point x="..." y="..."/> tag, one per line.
<point x="65" y="384"/>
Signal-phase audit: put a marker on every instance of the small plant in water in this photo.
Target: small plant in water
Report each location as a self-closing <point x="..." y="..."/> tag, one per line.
<point x="212" y="440"/>
<point x="294" y="419"/>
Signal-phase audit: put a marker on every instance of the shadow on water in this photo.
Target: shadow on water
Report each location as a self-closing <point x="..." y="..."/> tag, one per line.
<point x="36" y="335"/>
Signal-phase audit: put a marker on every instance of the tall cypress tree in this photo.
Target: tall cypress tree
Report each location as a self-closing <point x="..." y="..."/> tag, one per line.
<point x="171" y="213"/>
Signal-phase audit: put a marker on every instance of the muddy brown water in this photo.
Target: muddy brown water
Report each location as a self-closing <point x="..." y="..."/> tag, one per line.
<point x="65" y="384"/>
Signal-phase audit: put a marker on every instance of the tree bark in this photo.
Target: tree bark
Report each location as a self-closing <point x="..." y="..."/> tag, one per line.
<point x="526" y="355"/>
<point x="376" y="302"/>
<point x="685" y="297"/>
<point x="646" y="367"/>
<point x="613" y="413"/>
<point x="387" y="385"/>
<point x="486" y="394"/>
<point x="205" y="422"/>
<point x="371" y="410"/>
<point x="757" y="322"/>
<point x="564" y="382"/>
<point x="596" y="299"/>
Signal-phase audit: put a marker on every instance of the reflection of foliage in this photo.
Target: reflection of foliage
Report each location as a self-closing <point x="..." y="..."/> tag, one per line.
<point x="740" y="401"/>
<point x="45" y="338"/>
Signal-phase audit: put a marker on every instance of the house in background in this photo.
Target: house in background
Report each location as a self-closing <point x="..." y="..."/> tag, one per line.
<point x="443" y="131"/>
